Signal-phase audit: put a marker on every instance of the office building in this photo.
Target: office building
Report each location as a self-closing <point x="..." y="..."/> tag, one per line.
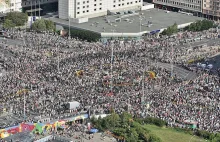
<point x="211" y="9"/>
<point x="94" y="8"/>
<point x="45" y="6"/>
<point x="192" y="6"/>
<point x="8" y="6"/>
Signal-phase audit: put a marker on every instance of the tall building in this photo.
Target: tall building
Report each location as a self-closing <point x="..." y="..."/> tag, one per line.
<point x="94" y="8"/>
<point x="211" y="9"/>
<point x="10" y="5"/>
<point x="28" y="3"/>
<point x="46" y="6"/>
<point x="193" y="6"/>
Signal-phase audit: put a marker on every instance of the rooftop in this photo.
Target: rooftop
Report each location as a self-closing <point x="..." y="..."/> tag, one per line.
<point x="156" y="18"/>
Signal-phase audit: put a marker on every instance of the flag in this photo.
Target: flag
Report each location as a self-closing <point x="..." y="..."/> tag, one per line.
<point x="152" y="74"/>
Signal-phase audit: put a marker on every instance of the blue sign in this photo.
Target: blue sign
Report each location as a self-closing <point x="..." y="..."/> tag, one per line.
<point x="154" y="32"/>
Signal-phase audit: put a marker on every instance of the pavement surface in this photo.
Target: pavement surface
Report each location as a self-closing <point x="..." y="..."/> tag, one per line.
<point x="180" y="72"/>
<point x="151" y="20"/>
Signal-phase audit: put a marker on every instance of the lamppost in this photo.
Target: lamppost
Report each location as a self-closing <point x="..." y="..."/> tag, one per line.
<point x="69" y="28"/>
<point x="35" y="9"/>
<point x="112" y="55"/>
<point x="39" y="8"/>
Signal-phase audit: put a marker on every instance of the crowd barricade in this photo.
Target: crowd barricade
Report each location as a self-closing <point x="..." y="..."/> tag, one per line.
<point x="39" y="127"/>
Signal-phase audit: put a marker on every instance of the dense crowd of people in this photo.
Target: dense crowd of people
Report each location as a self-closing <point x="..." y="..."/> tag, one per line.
<point x="47" y="71"/>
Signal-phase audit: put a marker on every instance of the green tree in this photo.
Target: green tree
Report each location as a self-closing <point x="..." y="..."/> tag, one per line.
<point x="170" y="30"/>
<point x="154" y="138"/>
<point x="200" y="25"/>
<point x="17" y="18"/>
<point x="132" y="135"/>
<point x="39" y="25"/>
<point x="50" y="26"/>
<point x="8" y="24"/>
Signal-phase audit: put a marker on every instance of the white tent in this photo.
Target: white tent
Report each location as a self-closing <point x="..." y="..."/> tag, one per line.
<point x="73" y="105"/>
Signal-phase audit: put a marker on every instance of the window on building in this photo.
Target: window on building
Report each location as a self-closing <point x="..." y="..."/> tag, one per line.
<point x="87" y="1"/>
<point x="77" y="12"/>
<point x="87" y="10"/>
<point x="94" y="4"/>
<point x="83" y="6"/>
<point x="122" y="4"/>
<point x="78" y="8"/>
<point x="113" y="5"/>
<point x="95" y="9"/>
<point x="83" y="11"/>
<point x="100" y="8"/>
<point x="100" y="3"/>
<point x="78" y="3"/>
<point x="128" y="3"/>
<point x="84" y="2"/>
<point x="87" y="6"/>
<point x="119" y="4"/>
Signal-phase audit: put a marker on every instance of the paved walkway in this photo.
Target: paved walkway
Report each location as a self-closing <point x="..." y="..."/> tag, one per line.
<point x="182" y="73"/>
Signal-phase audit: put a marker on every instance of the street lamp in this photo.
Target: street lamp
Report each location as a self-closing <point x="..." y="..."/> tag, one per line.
<point x="39" y="8"/>
<point x="69" y="28"/>
<point x="112" y="63"/>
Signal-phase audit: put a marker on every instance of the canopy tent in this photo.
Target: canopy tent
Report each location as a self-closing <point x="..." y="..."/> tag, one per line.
<point x="38" y="128"/>
<point x="73" y="105"/>
<point x="93" y="130"/>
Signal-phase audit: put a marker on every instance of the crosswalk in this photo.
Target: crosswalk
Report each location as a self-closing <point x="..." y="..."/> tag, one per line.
<point x="180" y="72"/>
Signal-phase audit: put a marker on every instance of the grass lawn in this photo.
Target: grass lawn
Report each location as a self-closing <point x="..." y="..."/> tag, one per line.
<point x="171" y="135"/>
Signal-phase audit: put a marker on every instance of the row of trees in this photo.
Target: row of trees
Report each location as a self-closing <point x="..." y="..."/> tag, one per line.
<point x="132" y="130"/>
<point x="199" y="25"/>
<point x="17" y="19"/>
<point x="124" y="127"/>
<point x="85" y="35"/>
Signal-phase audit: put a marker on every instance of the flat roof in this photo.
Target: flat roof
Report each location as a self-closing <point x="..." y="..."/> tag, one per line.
<point x="159" y="19"/>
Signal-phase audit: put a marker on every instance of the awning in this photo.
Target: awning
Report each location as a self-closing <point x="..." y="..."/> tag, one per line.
<point x="33" y="10"/>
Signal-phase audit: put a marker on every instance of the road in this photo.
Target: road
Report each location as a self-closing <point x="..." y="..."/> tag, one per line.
<point x="180" y="72"/>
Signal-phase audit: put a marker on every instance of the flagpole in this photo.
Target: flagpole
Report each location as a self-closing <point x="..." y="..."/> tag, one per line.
<point x="112" y="54"/>
<point x="24" y="106"/>
<point x="58" y="64"/>
<point x="172" y="62"/>
<point x="35" y="10"/>
<point x="39" y="9"/>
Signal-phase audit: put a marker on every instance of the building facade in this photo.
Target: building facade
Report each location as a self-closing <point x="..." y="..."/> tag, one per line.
<point x="28" y="3"/>
<point x="9" y="6"/>
<point x="211" y="9"/>
<point x="194" y="6"/>
<point x="94" y="8"/>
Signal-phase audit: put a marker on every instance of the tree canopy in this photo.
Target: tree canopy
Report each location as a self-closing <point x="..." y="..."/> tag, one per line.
<point x="170" y="30"/>
<point x="15" y="19"/>
<point x="123" y="126"/>
<point x="43" y="25"/>
<point x="200" y="25"/>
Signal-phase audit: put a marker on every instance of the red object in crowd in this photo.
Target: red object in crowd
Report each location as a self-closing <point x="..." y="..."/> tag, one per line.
<point x="110" y="94"/>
